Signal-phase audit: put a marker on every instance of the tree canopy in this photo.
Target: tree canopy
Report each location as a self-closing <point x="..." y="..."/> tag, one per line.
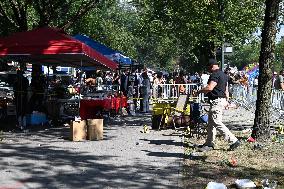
<point x="21" y="15"/>
<point x="157" y="33"/>
<point x="199" y="27"/>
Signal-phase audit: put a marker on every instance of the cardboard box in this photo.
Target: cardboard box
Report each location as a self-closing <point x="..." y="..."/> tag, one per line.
<point x="78" y="130"/>
<point x="95" y="129"/>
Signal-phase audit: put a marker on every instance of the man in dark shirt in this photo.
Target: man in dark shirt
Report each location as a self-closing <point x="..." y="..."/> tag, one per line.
<point x="217" y="92"/>
<point x="20" y="87"/>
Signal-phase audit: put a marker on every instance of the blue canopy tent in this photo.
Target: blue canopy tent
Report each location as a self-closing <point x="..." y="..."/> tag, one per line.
<point x="106" y="51"/>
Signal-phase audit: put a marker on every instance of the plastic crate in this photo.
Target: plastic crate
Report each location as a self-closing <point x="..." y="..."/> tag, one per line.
<point x="36" y="119"/>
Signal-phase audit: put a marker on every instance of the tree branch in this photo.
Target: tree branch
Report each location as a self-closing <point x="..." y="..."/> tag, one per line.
<point x="20" y="15"/>
<point x="6" y="15"/>
<point x="82" y="10"/>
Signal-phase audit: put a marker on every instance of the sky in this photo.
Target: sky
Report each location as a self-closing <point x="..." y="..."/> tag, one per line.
<point x="280" y="34"/>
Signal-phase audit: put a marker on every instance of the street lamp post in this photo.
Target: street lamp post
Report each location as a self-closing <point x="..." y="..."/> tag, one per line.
<point x="223" y="56"/>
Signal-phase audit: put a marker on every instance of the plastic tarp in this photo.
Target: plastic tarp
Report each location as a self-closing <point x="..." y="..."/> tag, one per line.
<point x="51" y="46"/>
<point x="106" y="51"/>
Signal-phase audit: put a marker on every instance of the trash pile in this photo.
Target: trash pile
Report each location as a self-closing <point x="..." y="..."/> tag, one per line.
<point x="245" y="184"/>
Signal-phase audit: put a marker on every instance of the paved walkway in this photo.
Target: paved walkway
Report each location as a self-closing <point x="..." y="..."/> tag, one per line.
<point x="126" y="158"/>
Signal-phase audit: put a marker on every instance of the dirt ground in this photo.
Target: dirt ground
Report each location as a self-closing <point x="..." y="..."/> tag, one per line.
<point x="250" y="161"/>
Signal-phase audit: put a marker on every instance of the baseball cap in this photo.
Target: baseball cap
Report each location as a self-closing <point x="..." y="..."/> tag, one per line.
<point x="212" y="61"/>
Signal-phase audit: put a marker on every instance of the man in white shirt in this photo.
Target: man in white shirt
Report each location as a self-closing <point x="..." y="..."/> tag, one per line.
<point x="204" y="79"/>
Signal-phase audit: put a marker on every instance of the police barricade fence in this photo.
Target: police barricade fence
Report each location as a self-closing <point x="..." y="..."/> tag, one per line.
<point x="243" y="93"/>
<point x="277" y="99"/>
<point x="107" y="89"/>
<point x="173" y="91"/>
<point x="248" y="95"/>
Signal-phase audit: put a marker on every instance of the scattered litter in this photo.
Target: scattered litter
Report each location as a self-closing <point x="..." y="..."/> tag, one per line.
<point x="145" y="129"/>
<point x="193" y="155"/>
<point x="269" y="184"/>
<point x="250" y="139"/>
<point x="274" y="138"/>
<point x="215" y="185"/>
<point x="245" y="184"/>
<point x="26" y="130"/>
<point x="77" y="118"/>
<point x="257" y="147"/>
<point x="246" y="131"/>
<point x="281" y="129"/>
<point x="233" y="162"/>
<point x="124" y="112"/>
<point x="196" y="156"/>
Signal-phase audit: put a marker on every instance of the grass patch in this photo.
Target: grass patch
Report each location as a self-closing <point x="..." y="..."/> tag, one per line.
<point x="216" y="165"/>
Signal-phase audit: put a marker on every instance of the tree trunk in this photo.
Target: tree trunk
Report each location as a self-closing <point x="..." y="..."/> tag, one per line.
<point x="261" y="127"/>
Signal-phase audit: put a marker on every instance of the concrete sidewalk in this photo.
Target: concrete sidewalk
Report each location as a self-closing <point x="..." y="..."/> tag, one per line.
<point x="126" y="158"/>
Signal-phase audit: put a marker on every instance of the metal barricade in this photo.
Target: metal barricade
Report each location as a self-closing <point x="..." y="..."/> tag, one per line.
<point x="238" y="92"/>
<point x="247" y="96"/>
<point x="173" y="91"/>
<point x="277" y="99"/>
<point x="107" y="89"/>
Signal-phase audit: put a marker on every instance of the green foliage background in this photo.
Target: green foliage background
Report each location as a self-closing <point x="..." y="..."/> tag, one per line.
<point x="159" y="34"/>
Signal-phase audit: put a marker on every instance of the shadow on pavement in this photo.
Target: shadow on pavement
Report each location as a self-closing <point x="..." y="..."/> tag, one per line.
<point x="163" y="142"/>
<point x="50" y="167"/>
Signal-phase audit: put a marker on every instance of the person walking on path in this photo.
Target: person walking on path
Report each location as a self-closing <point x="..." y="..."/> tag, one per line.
<point x="279" y="81"/>
<point x="20" y="87"/>
<point x="279" y="85"/>
<point x="217" y="92"/>
<point x="145" y="91"/>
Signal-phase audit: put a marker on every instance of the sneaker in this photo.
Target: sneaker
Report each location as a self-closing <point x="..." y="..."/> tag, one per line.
<point x="235" y="145"/>
<point x="205" y="148"/>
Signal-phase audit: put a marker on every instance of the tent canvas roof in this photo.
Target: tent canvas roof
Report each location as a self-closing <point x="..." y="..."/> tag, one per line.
<point x="50" y="46"/>
<point x="106" y="51"/>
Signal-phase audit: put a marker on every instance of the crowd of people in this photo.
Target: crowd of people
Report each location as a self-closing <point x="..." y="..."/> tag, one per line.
<point x="136" y="84"/>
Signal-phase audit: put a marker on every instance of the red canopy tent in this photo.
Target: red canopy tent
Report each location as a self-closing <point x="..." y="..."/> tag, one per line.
<point x="51" y="46"/>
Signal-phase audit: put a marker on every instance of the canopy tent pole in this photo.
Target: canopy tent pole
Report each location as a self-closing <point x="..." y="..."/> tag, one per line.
<point x="47" y="81"/>
<point x="80" y="86"/>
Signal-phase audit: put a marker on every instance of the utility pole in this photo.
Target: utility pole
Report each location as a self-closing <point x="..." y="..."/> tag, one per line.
<point x="223" y="56"/>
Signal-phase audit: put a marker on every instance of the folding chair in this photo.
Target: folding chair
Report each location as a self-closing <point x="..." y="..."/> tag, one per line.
<point x="178" y="116"/>
<point x="198" y="120"/>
